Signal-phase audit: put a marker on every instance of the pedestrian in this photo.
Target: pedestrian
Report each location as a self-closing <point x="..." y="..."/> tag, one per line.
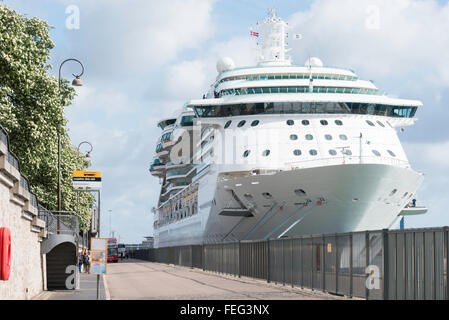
<point x="86" y="260"/>
<point x="80" y="261"/>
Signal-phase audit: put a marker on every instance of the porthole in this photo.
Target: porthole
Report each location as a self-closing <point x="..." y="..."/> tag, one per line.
<point x="246" y="153"/>
<point x="324" y="122"/>
<point x="370" y="123"/>
<point x="343" y="137"/>
<point x="391" y="153"/>
<point x="328" y="137"/>
<point x="293" y="137"/>
<point x="309" y="137"/>
<point x="405" y="194"/>
<point x="380" y="124"/>
<point x="227" y="124"/>
<point x="313" y="152"/>
<point x="267" y="195"/>
<point x="332" y="152"/>
<point x="300" y="192"/>
<point x="338" y="122"/>
<point x="290" y="122"/>
<point x="348" y="152"/>
<point x="241" y="123"/>
<point x="393" y="192"/>
<point x="376" y="153"/>
<point x="266" y="153"/>
<point x="305" y="122"/>
<point x="254" y="123"/>
<point x="297" y="152"/>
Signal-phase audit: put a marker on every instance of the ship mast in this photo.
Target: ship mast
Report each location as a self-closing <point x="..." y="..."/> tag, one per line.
<point x="272" y="46"/>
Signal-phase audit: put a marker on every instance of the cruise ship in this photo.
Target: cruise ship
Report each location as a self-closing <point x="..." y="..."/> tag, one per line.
<point x="280" y="150"/>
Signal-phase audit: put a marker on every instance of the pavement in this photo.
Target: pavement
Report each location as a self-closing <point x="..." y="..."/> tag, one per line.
<point x="136" y="280"/>
<point x="87" y="291"/>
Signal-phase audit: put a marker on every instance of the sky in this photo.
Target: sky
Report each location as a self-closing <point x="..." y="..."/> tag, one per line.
<point x="145" y="58"/>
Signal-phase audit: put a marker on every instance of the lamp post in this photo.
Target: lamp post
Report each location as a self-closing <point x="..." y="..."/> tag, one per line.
<point x="76" y="83"/>
<point x="88" y="153"/>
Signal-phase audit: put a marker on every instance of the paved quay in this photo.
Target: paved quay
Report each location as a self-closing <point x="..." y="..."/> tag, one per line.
<point x="136" y="280"/>
<point x="87" y="291"/>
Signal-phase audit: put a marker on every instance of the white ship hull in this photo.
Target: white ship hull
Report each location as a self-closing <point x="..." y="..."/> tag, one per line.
<point x="354" y="197"/>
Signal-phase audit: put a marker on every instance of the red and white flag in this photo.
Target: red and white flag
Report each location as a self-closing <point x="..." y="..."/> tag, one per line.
<point x="254" y="34"/>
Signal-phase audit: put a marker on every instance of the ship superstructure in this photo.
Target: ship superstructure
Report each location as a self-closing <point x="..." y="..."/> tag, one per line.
<point x="278" y="150"/>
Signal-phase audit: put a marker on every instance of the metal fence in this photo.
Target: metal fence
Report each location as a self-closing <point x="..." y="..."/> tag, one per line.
<point x="59" y="223"/>
<point x="387" y="264"/>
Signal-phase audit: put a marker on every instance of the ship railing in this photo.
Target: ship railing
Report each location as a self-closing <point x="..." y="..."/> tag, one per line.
<point x="346" y="160"/>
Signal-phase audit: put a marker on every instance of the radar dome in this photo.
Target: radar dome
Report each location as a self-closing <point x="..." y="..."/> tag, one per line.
<point x="313" y="62"/>
<point x="224" y="64"/>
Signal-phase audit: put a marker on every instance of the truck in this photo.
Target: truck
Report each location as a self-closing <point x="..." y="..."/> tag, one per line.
<point x="113" y="253"/>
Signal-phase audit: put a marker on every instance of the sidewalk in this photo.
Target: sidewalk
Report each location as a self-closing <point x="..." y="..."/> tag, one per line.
<point x="87" y="291"/>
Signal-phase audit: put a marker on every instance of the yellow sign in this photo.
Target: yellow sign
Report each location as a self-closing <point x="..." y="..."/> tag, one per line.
<point x="87" y="174"/>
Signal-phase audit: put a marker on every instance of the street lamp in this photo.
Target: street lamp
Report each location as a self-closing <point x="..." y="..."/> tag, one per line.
<point x="88" y="155"/>
<point x="76" y="83"/>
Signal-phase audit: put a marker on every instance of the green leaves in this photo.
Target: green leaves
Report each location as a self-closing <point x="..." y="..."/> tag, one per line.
<point x="31" y="110"/>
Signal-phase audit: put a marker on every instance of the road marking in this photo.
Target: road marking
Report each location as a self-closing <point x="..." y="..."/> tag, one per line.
<point x="106" y="288"/>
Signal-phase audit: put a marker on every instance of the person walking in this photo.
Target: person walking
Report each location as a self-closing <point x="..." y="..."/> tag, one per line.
<point x="85" y="260"/>
<point x="80" y="261"/>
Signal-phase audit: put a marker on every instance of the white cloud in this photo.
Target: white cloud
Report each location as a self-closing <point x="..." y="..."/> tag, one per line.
<point x="410" y="42"/>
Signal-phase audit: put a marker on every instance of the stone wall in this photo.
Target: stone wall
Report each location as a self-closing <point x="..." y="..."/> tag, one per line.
<point x="19" y="213"/>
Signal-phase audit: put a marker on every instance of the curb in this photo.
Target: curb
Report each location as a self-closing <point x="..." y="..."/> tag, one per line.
<point x="106" y="289"/>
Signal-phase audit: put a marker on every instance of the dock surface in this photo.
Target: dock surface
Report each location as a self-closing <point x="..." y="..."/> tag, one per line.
<point x="136" y="279"/>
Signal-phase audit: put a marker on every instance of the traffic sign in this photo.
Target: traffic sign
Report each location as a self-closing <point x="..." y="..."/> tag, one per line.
<point x="83" y="180"/>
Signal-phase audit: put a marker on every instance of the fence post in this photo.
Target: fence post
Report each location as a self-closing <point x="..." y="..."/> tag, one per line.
<point x="350" y="267"/>
<point x="323" y="264"/>
<point x="446" y="252"/>
<point x="291" y="261"/>
<point x="283" y="263"/>
<point x="238" y="260"/>
<point x="336" y="264"/>
<point x="366" y="262"/>
<point x="385" y="263"/>
<point x="268" y="260"/>
<point x="301" y="247"/>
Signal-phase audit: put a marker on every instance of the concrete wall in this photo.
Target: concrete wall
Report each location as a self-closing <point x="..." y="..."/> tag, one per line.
<point x="18" y="212"/>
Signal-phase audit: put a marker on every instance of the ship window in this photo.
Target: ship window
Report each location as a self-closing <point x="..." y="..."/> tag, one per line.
<point x="266" y="153"/>
<point x="332" y="152"/>
<point x="246" y="153"/>
<point x="300" y="192"/>
<point x="248" y="196"/>
<point x="370" y="123"/>
<point x="297" y="152"/>
<point x="343" y="137"/>
<point x="293" y="137"/>
<point x="305" y="122"/>
<point x="290" y="122"/>
<point x="328" y="137"/>
<point x="389" y="124"/>
<point x="241" y="123"/>
<point x="391" y="153"/>
<point x="405" y="194"/>
<point x="338" y="122"/>
<point x="227" y="124"/>
<point x="324" y="122"/>
<point x="254" y="123"/>
<point x="267" y="195"/>
<point x="393" y="192"/>
<point x="313" y="152"/>
<point x="309" y="137"/>
<point x="377" y="153"/>
<point x="380" y="124"/>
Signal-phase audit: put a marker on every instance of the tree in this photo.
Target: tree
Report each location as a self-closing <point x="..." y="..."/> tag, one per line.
<point x="31" y="110"/>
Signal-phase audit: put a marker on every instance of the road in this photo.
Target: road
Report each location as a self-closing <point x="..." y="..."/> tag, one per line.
<point x="135" y="280"/>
